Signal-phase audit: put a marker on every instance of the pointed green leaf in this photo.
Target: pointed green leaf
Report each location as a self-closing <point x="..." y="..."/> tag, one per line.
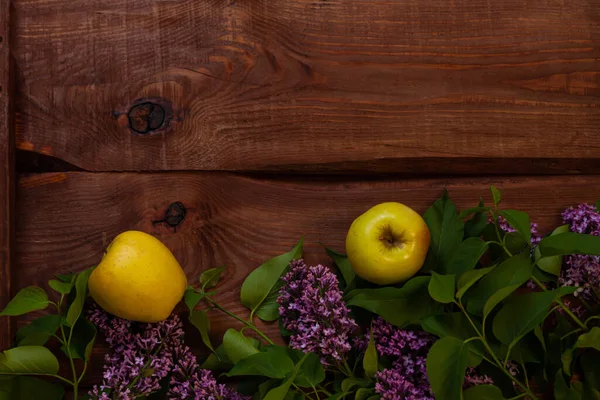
<point x="370" y="361"/>
<point x="570" y="243"/>
<point x="269" y="308"/>
<point x="200" y="320"/>
<point x="81" y="293"/>
<point x="475" y="225"/>
<point x="237" y="346"/>
<point x="520" y="221"/>
<point x="469" y="278"/>
<point x="514" y="271"/>
<point x="279" y="392"/>
<point x="191" y="298"/>
<point x="590" y="339"/>
<point x="497" y="298"/>
<point x="562" y="391"/>
<point x="446" y="230"/>
<point x="31" y="388"/>
<point x="311" y="373"/>
<point x="30" y="299"/>
<point x="441" y="288"/>
<point x="364" y="393"/>
<point x="27" y="360"/>
<point x="446" y="366"/>
<point x="60" y="287"/>
<point x="467" y="255"/>
<point x="483" y="392"/>
<point x="398" y="306"/>
<point x="521" y="315"/>
<point x="82" y="340"/>
<point x="38" y="331"/>
<point x="274" y="362"/>
<point x="496" y="195"/>
<point x="260" y="282"/>
<point x="210" y="278"/>
<point x="342" y="262"/>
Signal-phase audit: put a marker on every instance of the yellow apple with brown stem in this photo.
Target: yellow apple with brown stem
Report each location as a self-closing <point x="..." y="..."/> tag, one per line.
<point x="388" y="243"/>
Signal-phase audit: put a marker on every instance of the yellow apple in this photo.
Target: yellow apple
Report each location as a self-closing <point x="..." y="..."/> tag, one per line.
<point x="138" y="278"/>
<point x="388" y="243"/>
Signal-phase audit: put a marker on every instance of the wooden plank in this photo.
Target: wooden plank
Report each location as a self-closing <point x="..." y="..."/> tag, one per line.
<point x="418" y="86"/>
<point x="6" y="173"/>
<point x="67" y="219"/>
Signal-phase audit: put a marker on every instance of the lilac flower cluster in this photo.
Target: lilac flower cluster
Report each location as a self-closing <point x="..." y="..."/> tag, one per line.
<point x="582" y="270"/>
<point x="143" y="355"/>
<point x="407" y="349"/>
<point x="312" y="309"/>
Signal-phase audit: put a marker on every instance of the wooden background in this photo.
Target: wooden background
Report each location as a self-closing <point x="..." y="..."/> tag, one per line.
<point x="272" y="119"/>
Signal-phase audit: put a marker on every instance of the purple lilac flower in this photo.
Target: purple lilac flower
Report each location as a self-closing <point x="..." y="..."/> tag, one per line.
<point x="191" y="382"/>
<point x="155" y="350"/>
<point x="393" y="384"/>
<point x="472" y="378"/>
<point x="312" y="309"/>
<point x="582" y="271"/>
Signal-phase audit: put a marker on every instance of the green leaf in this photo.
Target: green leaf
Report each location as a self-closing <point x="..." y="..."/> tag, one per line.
<point x="26" y="360"/>
<point x="552" y="264"/>
<point x="520" y="221"/>
<point x="569" y="243"/>
<point x="272" y="363"/>
<point x="446" y="230"/>
<point x="567" y="360"/>
<point x="201" y="321"/>
<point x="562" y="391"/>
<point x="81" y="290"/>
<point x="210" y="278"/>
<point x="279" y="392"/>
<point x="469" y="278"/>
<point x="514" y="271"/>
<point x="217" y="360"/>
<point x="269" y="308"/>
<point x="237" y="346"/>
<point x="260" y="282"/>
<point x="496" y="195"/>
<point x="441" y="288"/>
<point x="353" y="381"/>
<point x="497" y="298"/>
<point x="342" y="262"/>
<point x="31" y="388"/>
<point x="30" y="299"/>
<point x="61" y="287"/>
<point x="191" y="298"/>
<point x="363" y="393"/>
<point x="590" y="339"/>
<point x="483" y="392"/>
<point x="446" y="366"/>
<point x="590" y="364"/>
<point x="311" y="372"/>
<point x="38" y="331"/>
<point x="370" y="360"/>
<point x="475" y="225"/>
<point x="521" y="315"/>
<point x="458" y="326"/>
<point x="466" y="256"/>
<point x="82" y="340"/>
<point x="473" y="210"/>
<point x="398" y="306"/>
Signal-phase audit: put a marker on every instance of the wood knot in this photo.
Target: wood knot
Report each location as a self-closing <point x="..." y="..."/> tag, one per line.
<point x="174" y="215"/>
<point x="149" y="115"/>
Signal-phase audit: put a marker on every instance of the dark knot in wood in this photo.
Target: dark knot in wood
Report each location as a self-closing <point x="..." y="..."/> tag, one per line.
<point x="174" y="215"/>
<point x="146" y="117"/>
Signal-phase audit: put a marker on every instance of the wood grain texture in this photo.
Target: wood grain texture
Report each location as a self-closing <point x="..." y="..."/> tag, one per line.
<point x="325" y="86"/>
<point x="67" y="219"/>
<point x="6" y="173"/>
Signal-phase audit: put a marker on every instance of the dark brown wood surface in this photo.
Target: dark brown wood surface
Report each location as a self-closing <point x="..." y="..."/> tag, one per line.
<point x="6" y="171"/>
<point x="67" y="219"/>
<point x="417" y="86"/>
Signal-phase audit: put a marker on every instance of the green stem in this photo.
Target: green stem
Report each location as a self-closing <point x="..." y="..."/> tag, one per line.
<point x="591" y="319"/>
<point x="67" y="343"/>
<point x="570" y="333"/>
<point x="322" y="389"/>
<point x="316" y="393"/>
<point x="247" y="323"/>
<point x="65" y="380"/>
<point x="491" y="352"/>
<point x="518" y="397"/>
<point x="561" y="304"/>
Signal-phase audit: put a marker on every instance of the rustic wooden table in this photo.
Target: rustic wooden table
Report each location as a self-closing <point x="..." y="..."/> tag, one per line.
<point x="272" y="119"/>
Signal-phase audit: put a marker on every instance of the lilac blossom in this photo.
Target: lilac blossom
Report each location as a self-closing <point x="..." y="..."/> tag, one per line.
<point x="312" y="309"/>
<point x="143" y="355"/>
<point x="536" y="237"/>
<point x="472" y="378"/>
<point x="580" y="270"/>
